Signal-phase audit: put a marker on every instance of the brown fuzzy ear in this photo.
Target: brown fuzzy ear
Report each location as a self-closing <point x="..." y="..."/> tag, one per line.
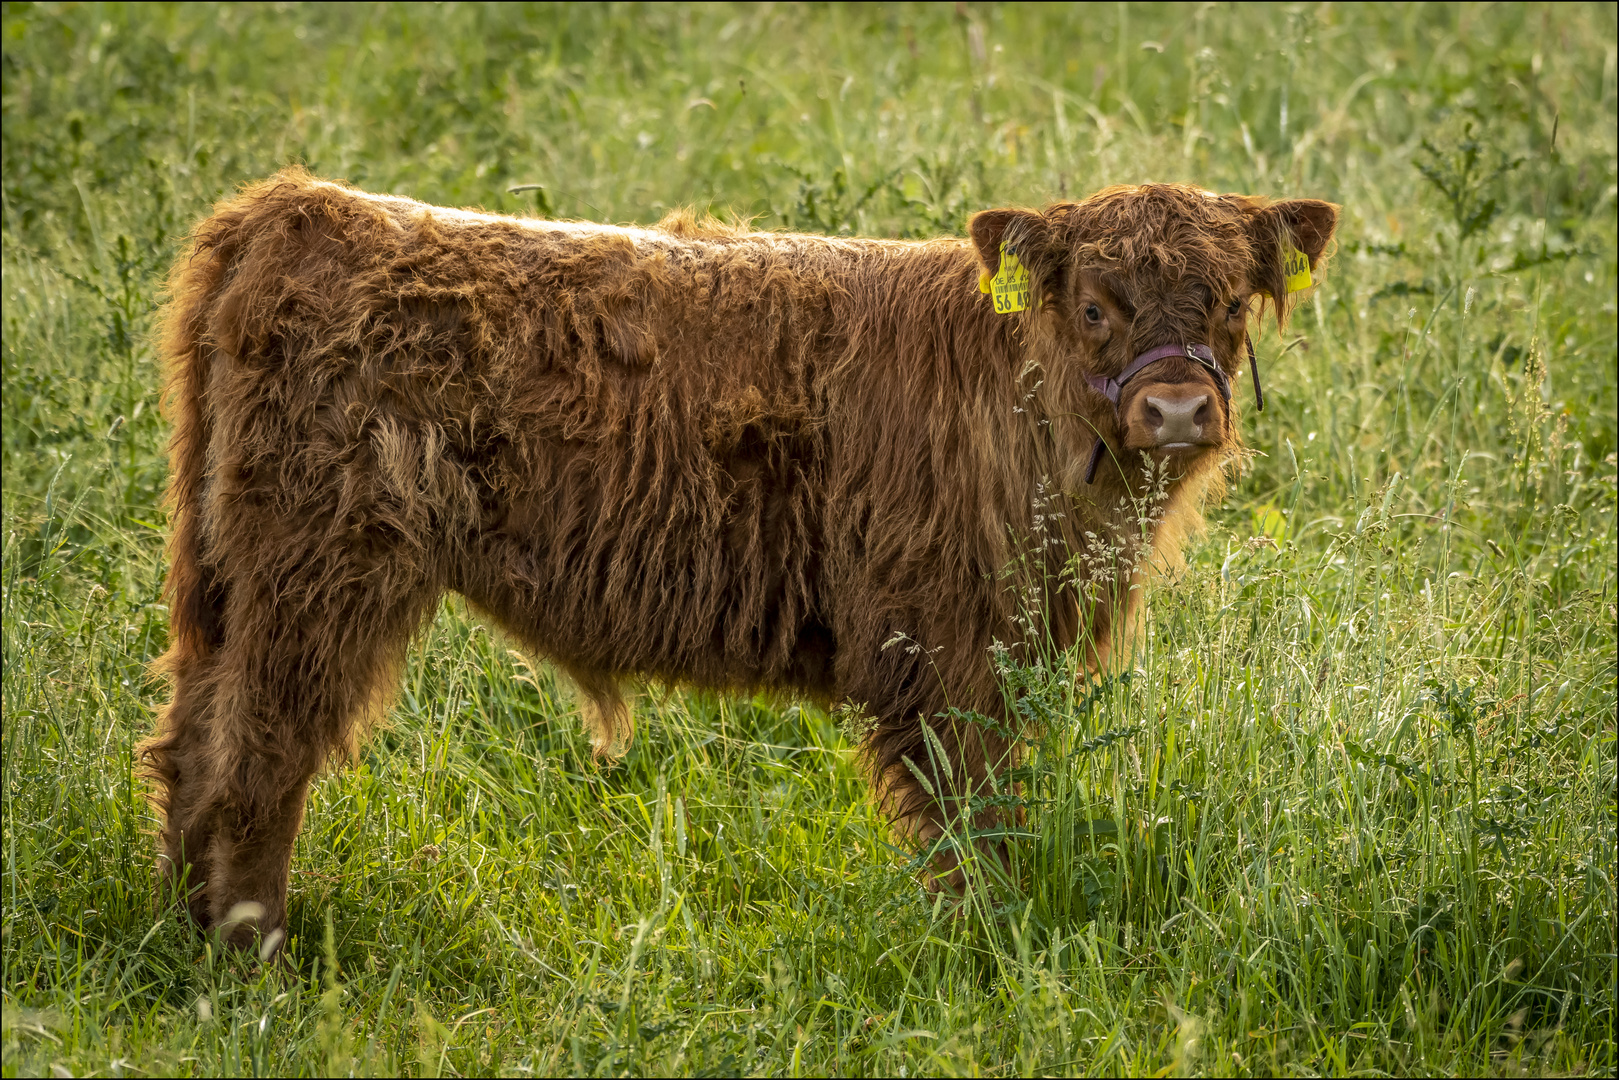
<point x="1024" y="231"/>
<point x="1311" y="223"/>
<point x="1304" y="224"/>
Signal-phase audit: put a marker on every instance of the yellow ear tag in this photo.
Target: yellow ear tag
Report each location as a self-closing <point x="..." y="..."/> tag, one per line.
<point x="1010" y="285"/>
<point x="1296" y="265"/>
<point x="1295" y="268"/>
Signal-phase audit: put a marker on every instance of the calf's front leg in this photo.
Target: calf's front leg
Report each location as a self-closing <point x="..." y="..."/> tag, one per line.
<point x="926" y="783"/>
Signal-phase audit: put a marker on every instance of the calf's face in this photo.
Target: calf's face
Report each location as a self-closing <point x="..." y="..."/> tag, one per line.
<point x="1177" y="407"/>
<point x="1148" y="295"/>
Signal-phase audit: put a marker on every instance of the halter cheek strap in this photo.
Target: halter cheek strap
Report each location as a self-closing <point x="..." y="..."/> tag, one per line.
<point x="1112" y="387"/>
<point x="1253" y="366"/>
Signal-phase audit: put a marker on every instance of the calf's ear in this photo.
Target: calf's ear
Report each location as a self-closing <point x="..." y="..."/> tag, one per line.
<point x="1310" y="222"/>
<point x="1301" y="225"/>
<point x="1024" y="231"/>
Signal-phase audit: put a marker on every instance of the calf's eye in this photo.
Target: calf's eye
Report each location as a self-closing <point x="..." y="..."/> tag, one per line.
<point x="1234" y="308"/>
<point x="1093" y="314"/>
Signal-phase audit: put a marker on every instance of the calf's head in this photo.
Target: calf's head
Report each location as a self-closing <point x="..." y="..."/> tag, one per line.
<point x="1144" y="298"/>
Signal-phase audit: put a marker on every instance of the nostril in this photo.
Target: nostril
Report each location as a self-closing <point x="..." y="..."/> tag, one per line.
<point x="1177" y="418"/>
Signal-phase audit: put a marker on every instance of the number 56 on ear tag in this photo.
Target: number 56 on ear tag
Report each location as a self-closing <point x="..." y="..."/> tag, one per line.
<point x="1010" y="286"/>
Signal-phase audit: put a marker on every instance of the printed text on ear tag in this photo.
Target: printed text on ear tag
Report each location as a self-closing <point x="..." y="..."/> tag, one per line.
<point x="1296" y="265"/>
<point x="1010" y="285"/>
<point x="1295" y="270"/>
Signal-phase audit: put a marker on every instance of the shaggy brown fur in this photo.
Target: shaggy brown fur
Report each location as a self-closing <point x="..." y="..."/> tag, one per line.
<point x="688" y="453"/>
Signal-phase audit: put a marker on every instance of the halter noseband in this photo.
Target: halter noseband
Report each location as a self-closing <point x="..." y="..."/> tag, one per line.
<point x="1112" y="387"/>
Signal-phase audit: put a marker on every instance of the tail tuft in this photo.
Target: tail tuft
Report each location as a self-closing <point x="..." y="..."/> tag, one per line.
<point x="608" y="718"/>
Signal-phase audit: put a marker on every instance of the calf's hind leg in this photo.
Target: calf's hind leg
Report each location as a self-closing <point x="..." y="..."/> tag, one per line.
<point x="176" y="756"/>
<point x="296" y="666"/>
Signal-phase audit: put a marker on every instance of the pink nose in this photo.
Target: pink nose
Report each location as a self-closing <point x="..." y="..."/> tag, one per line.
<point x="1179" y="420"/>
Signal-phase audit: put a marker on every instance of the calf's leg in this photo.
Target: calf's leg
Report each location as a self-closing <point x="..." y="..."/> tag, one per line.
<point x="176" y="758"/>
<point x="926" y="785"/>
<point x="306" y="653"/>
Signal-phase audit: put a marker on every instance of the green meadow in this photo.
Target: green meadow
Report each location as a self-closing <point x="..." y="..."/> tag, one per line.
<point x="1351" y="810"/>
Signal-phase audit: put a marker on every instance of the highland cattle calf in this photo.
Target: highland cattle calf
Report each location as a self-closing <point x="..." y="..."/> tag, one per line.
<point x="687" y="453"/>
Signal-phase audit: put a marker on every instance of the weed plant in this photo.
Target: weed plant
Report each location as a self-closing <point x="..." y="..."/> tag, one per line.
<point x="1348" y="808"/>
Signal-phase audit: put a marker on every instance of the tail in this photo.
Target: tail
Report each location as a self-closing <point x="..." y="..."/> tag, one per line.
<point x="193" y="330"/>
<point x="188" y="344"/>
<point x="194" y="589"/>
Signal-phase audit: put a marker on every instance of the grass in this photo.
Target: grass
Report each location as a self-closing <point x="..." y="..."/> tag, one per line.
<point x="1354" y="809"/>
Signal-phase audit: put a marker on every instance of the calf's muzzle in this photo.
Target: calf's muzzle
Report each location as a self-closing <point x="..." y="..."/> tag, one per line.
<point x="1178" y="416"/>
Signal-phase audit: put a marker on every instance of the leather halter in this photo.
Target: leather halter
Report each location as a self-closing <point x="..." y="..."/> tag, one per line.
<point x="1112" y="387"/>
